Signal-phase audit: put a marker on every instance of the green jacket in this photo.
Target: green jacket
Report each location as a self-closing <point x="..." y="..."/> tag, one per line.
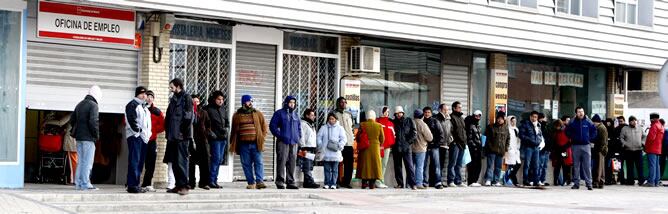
<point x="601" y="140"/>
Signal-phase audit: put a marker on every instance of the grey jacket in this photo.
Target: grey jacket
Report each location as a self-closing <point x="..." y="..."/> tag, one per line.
<point x="85" y="120"/>
<point x="446" y="135"/>
<point x="631" y="138"/>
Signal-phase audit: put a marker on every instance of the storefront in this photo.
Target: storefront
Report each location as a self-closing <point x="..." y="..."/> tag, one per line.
<point x="12" y="92"/>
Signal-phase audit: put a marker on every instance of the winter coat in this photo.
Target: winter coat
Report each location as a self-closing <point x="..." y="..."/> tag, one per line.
<point x="345" y="119"/>
<point x="180" y="116"/>
<point x="446" y="126"/>
<point x="369" y="159"/>
<point x="388" y="131"/>
<point x="498" y="139"/>
<point x="261" y="128"/>
<point x="201" y="130"/>
<point x="405" y="134"/>
<point x="137" y="120"/>
<point x="458" y="129"/>
<point x="285" y="125"/>
<point x="546" y="129"/>
<point x="530" y="138"/>
<point x="513" y="155"/>
<point x="601" y="140"/>
<point x="654" y="139"/>
<point x="157" y="122"/>
<point x="424" y="136"/>
<point x="220" y="124"/>
<point x="473" y="134"/>
<point x="308" y="135"/>
<point x="581" y="132"/>
<point x="334" y="133"/>
<point x="85" y="120"/>
<point x="562" y="145"/>
<point x="631" y="138"/>
<point x="436" y="131"/>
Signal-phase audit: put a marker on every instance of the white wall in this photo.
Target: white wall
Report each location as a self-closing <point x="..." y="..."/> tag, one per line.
<point x="465" y="23"/>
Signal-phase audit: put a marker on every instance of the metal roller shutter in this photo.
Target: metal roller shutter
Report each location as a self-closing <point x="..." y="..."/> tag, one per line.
<point x="256" y="76"/>
<point x="455" y="80"/>
<point x="59" y="76"/>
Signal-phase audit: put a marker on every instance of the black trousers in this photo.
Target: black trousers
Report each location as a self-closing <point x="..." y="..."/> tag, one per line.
<point x="634" y="161"/>
<point x="200" y="157"/>
<point x="473" y="168"/>
<point x="149" y="163"/>
<point x="348" y="162"/>
<point x="406" y="159"/>
<point x="513" y="172"/>
<point x="561" y="168"/>
<point x="179" y="161"/>
<point x="662" y="162"/>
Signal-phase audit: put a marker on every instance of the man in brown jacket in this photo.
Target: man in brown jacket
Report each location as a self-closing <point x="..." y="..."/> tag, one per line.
<point x="599" y="152"/>
<point x="497" y="145"/>
<point x="249" y="130"/>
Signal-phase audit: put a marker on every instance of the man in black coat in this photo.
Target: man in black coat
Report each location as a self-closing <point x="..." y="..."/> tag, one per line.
<point x="179" y="133"/>
<point x="433" y="175"/>
<point x="457" y="146"/>
<point x="220" y="128"/>
<point x="406" y="134"/>
<point x="85" y="123"/>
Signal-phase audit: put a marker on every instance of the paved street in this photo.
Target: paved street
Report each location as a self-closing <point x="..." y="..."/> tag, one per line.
<point x="234" y="199"/>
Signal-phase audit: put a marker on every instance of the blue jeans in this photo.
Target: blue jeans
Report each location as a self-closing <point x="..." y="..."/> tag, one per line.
<point x="434" y="160"/>
<point x="136" y="156"/>
<point x="418" y="160"/>
<point x="582" y="164"/>
<point x="654" y="171"/>
<point x="217" y="148"/>
<point x="455" y="165"/>
<point x="544" y="159"/>
<point x="86" y="153"/>
<point x="531" y="161"/>
<point x="251" y="161"/>
<point x="307" y="168"/>
<point x="331" y="172"/>
<point x="494" y="162"/>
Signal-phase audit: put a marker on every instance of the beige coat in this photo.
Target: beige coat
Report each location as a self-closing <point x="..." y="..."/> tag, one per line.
<point x="69" y="143"/>
<point x="424" y="136"/>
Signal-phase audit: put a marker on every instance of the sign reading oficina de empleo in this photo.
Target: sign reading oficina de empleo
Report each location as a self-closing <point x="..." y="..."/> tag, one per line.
<point x="77" y="22"/>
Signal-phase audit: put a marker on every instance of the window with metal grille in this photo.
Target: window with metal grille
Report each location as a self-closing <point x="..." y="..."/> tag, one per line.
<point x="202" y="69"/>
<point x="312" y="81"/>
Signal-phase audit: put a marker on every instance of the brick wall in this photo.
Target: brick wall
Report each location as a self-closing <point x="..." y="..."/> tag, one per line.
<point x="346" y="43"/>
<point x="155" y="76"/>
<point x="650" y="81"/>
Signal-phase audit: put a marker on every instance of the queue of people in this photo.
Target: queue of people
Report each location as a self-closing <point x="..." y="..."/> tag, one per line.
<point x="433" y="146"/>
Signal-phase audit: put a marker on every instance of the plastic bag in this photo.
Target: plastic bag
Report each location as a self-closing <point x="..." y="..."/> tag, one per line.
<point x="467" y="156"/>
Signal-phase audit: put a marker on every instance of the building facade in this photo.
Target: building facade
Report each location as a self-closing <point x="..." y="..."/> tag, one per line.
<point x="491" y="55"/>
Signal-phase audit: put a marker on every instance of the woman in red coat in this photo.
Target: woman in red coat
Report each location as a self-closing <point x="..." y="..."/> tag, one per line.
<point x="388" y="132"/>
<point x="562" y="159"/>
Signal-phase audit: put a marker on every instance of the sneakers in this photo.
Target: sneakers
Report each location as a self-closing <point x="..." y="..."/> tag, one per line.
<point x="250" y="186"/>
<point x="462" y="185"/>
<point x="439" y="186"/>
<point x="326" y="187"/>
<point x="530" y="183"/>
<point x="475" y="185"/>
<point x="260" y="186"/>
<point x="488" y="183"/>
<point x="452" y="185"/>
<point x="540" y="183"/>
<point x="149" y="189"/>
<point x="425" y="186"/>
<point x="381" y="185"/>
<point x="497" y="185"/>
<point x="332" y="187"/>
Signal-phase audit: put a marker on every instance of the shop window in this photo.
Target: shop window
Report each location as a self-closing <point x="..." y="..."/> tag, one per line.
<point x="635" y="80"/>
<point x="202" y="69"/>
<point x="10" y="66"/>
<point x="634" y="12"/>
<point x="578" y="7"/>
<point x="480" y="86"/>
<point x="312" y="80"/>
<point x="522" y="3"/>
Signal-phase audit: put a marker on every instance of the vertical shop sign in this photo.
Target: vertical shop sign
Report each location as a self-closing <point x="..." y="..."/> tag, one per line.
<point x="616" y="107"/>
<point x="352" y="91"/>
<point x="555" y="109"/>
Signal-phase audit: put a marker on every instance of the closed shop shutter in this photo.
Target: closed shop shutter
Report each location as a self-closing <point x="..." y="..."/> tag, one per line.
<point x="59" y="76"/>
<point x="455" y="80"/>
<point x="256" y="76"/>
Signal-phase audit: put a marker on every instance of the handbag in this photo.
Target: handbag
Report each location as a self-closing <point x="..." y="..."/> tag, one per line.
<point x="362" y="140"/>
<point x="331" y="144"/>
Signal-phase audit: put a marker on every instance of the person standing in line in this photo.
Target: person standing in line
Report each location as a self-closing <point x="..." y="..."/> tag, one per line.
<point x="388" y="132"/>
<point x="157" y="127"/>
<point x="474" y="144"/>
<point x="532" y="143"/>
<point x="308" y="148"/>
<point x="545" y="151"/>
<point x="497" y="145"/>
<point x="664" y="150"/>
<point x="249" y="130"/>
<point x="609" y="124"/>
<point x="424" y="136"/>
<point x="373" y="131"/>
<point x="179" y="132"/>
<point x="345" y="119"/>
<point x="512" y="156"/>
<point x="285" y="125"/>
<point x="138" y="131"/>
<point x="401" y="151"/>
<point x="85" y="122"/>
<point x="432" y="175"/>
<point x="331" y="140"/>
<point x="200" y="154"/>
<point x="443" y="119"/>
<point x="617" y="148"/>
<point x="562" y="155"/>
<point x="582" y="132"/>
<point x="599" y="152"/>
<point x="631" y="138"/>
<point x="457" y="146"/>
<point x="220" y="128"/>
<point x="653" y="145"/>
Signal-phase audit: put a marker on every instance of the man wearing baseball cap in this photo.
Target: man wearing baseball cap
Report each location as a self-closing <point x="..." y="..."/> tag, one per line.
<point x="138" y="131"/>
<point x="653" y="145"/>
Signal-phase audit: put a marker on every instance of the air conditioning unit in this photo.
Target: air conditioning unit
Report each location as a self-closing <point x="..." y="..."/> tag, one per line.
<point x="364" y="59"/>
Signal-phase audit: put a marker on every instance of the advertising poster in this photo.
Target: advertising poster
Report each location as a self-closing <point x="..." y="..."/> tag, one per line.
<point x="536" y="77"/>
<point x="351" y="90"/>
<point x="550" y="78"/>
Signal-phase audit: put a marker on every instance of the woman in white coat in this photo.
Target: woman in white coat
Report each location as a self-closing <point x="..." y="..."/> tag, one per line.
<point x="331" y="140"/>
<point x="512" y="157"/>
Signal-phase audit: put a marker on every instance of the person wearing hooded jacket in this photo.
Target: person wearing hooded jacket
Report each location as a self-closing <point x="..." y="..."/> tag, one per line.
<point x="512" y="156"/>
<point x="401" y="151"/>
<point x="308" y="147"/>
<point x="424" y="136"/>
<point x="85" y="123"/>
<point x="457" y="146"/>
<point x="285" y="125"/>
<point x="474" y="144"/>
<point x="220" y="126"/>
<point x="331" y="139"/>
<point x="496" y="146"/>
<point x="582" y="132"/>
